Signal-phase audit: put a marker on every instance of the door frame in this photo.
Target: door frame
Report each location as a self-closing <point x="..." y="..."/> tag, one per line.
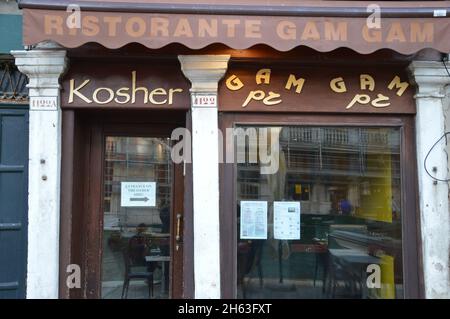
<point x="411" y="249"/>
<point x="82" y="172"/>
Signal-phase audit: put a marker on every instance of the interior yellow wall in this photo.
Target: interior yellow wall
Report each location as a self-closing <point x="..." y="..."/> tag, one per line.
<point x="378" y="205"/>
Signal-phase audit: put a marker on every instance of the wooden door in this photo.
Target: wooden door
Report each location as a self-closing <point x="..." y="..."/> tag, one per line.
<point x="132" y="223"/>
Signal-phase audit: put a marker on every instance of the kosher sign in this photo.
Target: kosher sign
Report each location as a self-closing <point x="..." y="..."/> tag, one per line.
<point x="138" y="194"/>
<point x="125" y="84"/>
<point x="316" y="89"/>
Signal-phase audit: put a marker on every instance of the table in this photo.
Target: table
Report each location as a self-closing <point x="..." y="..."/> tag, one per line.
<point x="320" y="249"/>
<point x="163" y="259"/>
<point x="354" y="256"/>
<point x="348" y="257"/>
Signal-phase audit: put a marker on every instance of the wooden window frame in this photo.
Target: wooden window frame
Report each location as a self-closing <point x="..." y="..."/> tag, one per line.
<point x="411" y="240"/>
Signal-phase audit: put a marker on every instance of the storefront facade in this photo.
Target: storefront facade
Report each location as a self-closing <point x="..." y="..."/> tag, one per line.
<point x="218" y="158"/>
<point x="13" y="158"/>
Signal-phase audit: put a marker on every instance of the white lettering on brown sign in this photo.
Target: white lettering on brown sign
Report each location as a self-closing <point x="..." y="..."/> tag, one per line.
<point x="124" y="95"/>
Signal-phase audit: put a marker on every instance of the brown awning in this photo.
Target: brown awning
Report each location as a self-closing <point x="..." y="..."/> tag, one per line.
<point x="406" y="27"/>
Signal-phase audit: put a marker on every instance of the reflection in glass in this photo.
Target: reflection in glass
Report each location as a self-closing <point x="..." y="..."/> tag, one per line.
<point x="136" y="236"/>
<point x="347" y="181"/>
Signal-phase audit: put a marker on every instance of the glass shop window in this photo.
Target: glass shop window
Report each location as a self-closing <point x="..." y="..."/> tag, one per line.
<point x="328" y="222"/>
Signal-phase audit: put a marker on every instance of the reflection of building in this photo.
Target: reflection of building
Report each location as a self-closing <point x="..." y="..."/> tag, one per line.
<point x="347" y="181"/>
<point x="327" y="165"/>
<point x="133" y="233"/>
<point x="135" y="159"/>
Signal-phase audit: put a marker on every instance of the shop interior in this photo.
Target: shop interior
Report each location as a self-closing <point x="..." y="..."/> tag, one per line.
<point x="347" y="182"/>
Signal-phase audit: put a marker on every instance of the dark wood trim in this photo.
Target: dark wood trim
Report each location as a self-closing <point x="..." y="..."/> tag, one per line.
<point x="177" y="208"/>
<point x="82" y="172"/>
<point x="74" y="180"/>
<point x="128" y="129"/>
<point x="228" y="240"/>
<point x="412" y="263"/>
<point x="93" y="219"/>
<point x="132" y="117"/>
<point x="188" y="223"/>
<point x="407" y="10"/>
<point x="312" y="119"/>
<point x="412" y="255"/>
<point x="67" y="161"/>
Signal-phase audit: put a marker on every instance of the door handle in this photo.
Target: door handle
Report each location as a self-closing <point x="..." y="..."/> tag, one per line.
<point x="178" y="232"/>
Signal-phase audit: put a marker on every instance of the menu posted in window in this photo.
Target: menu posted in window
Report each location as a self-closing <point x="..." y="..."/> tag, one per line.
<point x="286" y="220"/>
<point x="253" y="220"/>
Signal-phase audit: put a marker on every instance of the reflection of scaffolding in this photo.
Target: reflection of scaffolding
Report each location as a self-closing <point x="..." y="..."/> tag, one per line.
<point x="338" y="151"/>
<point x="321" y="157"/>
<point x="136" y="159"/>
<point x="340" y="136"/>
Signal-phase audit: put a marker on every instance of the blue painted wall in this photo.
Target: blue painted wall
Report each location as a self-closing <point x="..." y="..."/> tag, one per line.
<point x="10" y="33"/>
<point x="13" y="200"/>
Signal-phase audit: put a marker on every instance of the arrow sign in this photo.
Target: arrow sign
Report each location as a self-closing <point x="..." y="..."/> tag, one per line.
<point x="138" y="194"/>
<point x="145" y="199"/>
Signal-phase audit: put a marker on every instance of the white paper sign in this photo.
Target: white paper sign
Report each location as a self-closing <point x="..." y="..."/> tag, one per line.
<point x="138" y="194"/>
<point x="286" y="220"/>
<point x="253" y="220"/>
<point x="440" y="13"/>
<point x="199" y="100"/>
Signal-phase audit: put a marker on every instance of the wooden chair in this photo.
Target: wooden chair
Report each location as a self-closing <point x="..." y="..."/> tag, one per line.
<point x="135" y="264"/>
